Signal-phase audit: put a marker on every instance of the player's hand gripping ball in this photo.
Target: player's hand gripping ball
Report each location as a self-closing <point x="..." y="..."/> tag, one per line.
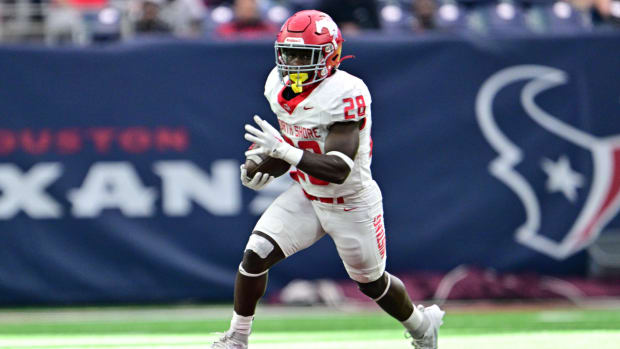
<point x="265" y="164"/>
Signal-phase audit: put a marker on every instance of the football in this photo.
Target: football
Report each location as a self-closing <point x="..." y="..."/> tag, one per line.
<point x="265" y="164"/>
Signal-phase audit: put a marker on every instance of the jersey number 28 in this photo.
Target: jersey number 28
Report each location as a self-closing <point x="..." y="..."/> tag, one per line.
<point x="350" y="105"/>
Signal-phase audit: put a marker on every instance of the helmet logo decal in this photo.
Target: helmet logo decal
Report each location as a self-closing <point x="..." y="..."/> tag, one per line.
<point x="332" y="28"/>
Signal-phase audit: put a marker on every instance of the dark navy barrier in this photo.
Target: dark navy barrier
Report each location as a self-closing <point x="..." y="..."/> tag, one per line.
<point x="119" y="165"/>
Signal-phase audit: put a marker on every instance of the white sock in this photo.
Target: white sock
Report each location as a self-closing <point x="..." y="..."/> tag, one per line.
<point x="416" y="324"/>
<point x="241" y="324"/>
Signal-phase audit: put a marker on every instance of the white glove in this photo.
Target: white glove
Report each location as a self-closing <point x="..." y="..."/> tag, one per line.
<point x="270" y="142"/>
<point x="259" y="181"/>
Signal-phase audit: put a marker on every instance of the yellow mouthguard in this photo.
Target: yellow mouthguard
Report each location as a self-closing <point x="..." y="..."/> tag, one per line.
<point x="298" y="79"/>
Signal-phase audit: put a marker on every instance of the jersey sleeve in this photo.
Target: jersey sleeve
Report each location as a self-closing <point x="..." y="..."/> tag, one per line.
<point x="350" y="102"/>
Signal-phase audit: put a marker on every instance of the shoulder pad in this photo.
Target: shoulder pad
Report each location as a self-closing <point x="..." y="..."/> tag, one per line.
<point x="272" y="81"/>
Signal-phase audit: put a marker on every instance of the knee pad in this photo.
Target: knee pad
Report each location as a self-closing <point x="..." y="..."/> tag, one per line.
<point x="255" y="261"/>
<point x="260" y="245"/>
<point x="378" y="288"/>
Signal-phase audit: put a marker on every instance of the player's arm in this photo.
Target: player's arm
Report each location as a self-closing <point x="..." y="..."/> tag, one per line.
<point x="340" y="148"/>
<point x="334" y="166"/>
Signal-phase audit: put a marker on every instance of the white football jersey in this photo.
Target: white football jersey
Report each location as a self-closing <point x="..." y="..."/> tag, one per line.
<point x="305" y="119"/>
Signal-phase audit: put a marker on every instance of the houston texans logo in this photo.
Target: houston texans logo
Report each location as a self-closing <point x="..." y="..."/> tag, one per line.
<point x="600" y="204"/>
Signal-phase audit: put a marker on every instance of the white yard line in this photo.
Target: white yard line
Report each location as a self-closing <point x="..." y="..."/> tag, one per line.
<point x="258" y="341"/>
<point x="552" y="340"/>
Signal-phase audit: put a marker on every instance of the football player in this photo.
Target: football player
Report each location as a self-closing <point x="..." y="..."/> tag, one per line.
<point x="325" y="120"/>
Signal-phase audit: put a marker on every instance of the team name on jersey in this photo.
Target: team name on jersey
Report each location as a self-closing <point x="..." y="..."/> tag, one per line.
<point x="298" y="131"/>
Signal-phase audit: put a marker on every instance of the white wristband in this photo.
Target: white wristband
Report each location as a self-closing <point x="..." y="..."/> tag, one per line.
<point x="293" y="155"/>
<point x="344" y="157"/>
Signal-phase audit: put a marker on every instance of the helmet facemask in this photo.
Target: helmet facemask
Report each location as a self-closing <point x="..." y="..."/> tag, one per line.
<point x="312" y="69"/>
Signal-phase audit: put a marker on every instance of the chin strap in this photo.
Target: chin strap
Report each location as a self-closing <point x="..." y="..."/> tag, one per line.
<point x="345" y="57"/>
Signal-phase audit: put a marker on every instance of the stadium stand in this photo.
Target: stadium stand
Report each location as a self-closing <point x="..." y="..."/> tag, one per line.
<point x="83" y="22"/>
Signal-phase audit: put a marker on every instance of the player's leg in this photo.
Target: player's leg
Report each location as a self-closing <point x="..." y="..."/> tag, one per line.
<point x="359" y="235"/>
<point x="261" y="253"/>
<point x="421" y="323"/>
<point x="287" y="226"/>
<point x="390" y="294"/>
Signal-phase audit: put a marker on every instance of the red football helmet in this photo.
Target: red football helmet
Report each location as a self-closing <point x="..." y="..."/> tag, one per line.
<point x="313" y="36"/>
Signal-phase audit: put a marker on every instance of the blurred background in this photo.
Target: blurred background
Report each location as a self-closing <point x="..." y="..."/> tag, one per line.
<point x="496" y="143"/>
<point x="83" y="22"/>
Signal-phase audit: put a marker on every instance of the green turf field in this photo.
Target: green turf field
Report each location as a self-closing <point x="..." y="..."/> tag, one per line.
<point x="309" y="328"/>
